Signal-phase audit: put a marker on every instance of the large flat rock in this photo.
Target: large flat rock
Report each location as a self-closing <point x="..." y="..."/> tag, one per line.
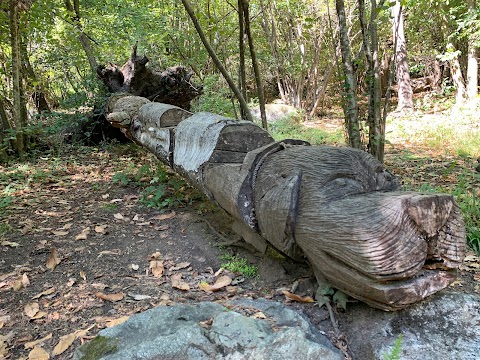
<point x="212" y="331"/>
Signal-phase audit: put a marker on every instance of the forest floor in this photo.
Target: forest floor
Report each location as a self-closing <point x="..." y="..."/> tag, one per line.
<point x="81" y="250"/>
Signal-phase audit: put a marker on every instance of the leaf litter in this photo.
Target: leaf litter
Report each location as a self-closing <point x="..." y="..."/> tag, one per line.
<point x="64" y="256"/>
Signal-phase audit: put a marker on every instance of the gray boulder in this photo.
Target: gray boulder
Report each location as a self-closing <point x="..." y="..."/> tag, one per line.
<point x="211" y="331"/>
<point x="444" y="327"/>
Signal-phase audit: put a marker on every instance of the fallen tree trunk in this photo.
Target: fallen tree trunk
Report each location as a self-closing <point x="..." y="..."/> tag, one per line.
<point x="171" y="86"/>
<point x="338" y="208"/>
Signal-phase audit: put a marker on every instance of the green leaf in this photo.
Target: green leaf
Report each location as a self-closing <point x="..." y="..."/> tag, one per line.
<point x="322" y="300"/>
<point x="340" y="299"/>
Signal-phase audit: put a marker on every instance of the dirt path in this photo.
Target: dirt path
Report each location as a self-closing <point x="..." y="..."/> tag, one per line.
<point x="80" y="252"/>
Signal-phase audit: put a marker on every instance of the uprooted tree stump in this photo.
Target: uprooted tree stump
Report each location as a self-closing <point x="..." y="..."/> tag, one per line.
<point x="171" y="86"/>
<point x="338" y="208"/>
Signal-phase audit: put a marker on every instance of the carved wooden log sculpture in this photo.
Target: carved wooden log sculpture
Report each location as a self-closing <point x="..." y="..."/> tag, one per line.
<point x="339" y="208"/>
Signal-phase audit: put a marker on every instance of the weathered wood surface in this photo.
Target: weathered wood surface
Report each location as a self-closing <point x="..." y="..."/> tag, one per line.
<point x="337" y="208"/>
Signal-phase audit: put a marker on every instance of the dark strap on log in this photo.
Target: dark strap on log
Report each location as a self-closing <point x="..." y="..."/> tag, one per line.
<point x="254" y="161"/>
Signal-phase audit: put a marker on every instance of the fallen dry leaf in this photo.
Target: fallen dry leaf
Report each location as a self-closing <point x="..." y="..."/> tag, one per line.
<point x="59" y="233"/>
<point x="83" y="275"/>
<point x="119" y="216"/>
<point x="157" y="268"/>
<point x="118" y="321"/>
<point x="53" y="260"/>
<point x="180" y="266"/>
<point x="83" y="333"/>
<point x="3" y="320"/>
<point x="178" y="283"/>
<point x="110" y="252"/>
<point x="25" y="280"/>
<point x="154" y="256"/>
<point x="101" y="229"/>
<point x="39" y="315"/>
<point x="162" y="227"/>
<point x="110" y="297"/>
<point x="164" y="216"/>
<point x="139" y="297"/>
<point x="38" y="353"/>
<point x="34" y="343"/>
<point x="3" y="344"/>
<point x="17" y="285"/>
<point x="221" y="282"/>
<point x="304" y="299"/>
<point x="10" y="243"/>
<point x="100" y="286"/>
<point x="67" y="226"/>
<point x="65" y="342"/>
<point x="31" y="309"/>
<point x="6" y="276"/>
<point x="84" y="234"/>
<point x="44" y="293"/>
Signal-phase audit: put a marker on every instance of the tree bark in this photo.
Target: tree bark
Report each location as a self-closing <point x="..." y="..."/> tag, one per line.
<point x="38" y="91"/>
<point x="242" y="77"/>
<point x="337" y="207"/>
<point x="376" y="137"/>
<point x="216" y="60"/>
<point x="256" y="70"/>
<point x="350" y="100"/>
<point x="19" y="105"/>
<point x="472" y="69"/>
<point x="457" y="76"/>
<point x="405" y="93"/>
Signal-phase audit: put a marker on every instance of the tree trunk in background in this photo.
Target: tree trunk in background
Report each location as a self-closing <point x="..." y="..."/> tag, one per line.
<point x="405" y="93"/>
<point x="19" y="106"/>
<point x="4" y="125"/>
<point x="472" y="69"/>
<point x="376" y="132"/>
<point x="350" y="100"/>
<point x="242" y="82"/>
<point x="84" y="39"/>
<point x="457" y="76"/>
<point x="38" y="91"/>
<point x="256" y="70"/>
<point x="216" y="60"/>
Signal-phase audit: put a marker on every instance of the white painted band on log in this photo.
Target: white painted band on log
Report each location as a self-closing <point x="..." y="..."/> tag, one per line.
<point x="196" y="138"/>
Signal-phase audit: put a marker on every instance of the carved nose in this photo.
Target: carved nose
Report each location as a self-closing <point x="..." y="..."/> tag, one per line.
<point x="430" y="212"/>
<point x="439" y="220"/>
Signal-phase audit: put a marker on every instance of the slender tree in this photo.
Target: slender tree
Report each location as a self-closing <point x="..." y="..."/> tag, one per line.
<point x="405" y="92"/>
<point x="242" y="77"/>
<point x="256" y="69"/>
<point x="457" y="77"/>
<point x="472" y="69"/>
<point x="19" y="104"/>
<point x="85" y="40"/>
<point x="349" y="98"/>
<point x="376" y="141"/>
<point x="216" y="60"/>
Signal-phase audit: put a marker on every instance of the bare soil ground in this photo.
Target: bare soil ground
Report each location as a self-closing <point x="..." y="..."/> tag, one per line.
<point x="79" y="252"/>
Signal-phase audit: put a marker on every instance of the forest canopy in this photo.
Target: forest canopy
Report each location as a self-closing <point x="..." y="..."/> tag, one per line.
<point x="310" y="54"/>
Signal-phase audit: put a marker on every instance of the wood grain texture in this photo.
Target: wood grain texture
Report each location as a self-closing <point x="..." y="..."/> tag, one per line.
<point x="339" y="208"/>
